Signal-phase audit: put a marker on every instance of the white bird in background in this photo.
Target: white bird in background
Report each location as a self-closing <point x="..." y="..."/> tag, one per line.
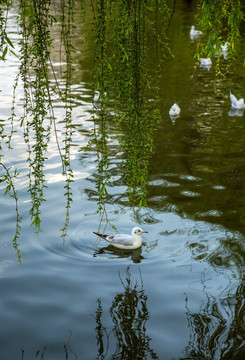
<point x="194" y="33"/>
<point x="100" y="96"/>
<point x="236" y="104"/>
<point x="174" y="110"/>
<point x="205" y="61"/>
<point x="96" y="96"/>
<point x="224" y="50"/>
<point x="123" y="241"/>
<point x="224" y="47"/>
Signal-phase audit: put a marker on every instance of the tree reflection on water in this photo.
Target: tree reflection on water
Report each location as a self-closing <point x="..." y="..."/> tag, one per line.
<point x="217" y="330"/>
<point x="129" y="314"/>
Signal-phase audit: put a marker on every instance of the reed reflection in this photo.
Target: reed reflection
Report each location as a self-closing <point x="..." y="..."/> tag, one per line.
<point x="45" y="351"/>
<point x="129" y="315"/>
<point x="217" y="330"/>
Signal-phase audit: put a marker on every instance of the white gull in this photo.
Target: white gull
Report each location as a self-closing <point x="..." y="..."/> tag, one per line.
<point x="225" y="47"/>
<point x="124" y="241"/>
<point x="174" y="110"/>
<point x="96" y="96"/>
<point x="205" y="61"/>
<point x="194" y="33"/>
<point x="236" y="104"/>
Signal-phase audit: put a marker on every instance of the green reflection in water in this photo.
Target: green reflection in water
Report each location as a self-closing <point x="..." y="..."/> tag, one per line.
<point x="122" y="73"/>
<point x="129" y="315"/>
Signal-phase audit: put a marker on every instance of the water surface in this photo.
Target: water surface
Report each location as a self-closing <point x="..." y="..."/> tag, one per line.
<point x="181" y="296"/>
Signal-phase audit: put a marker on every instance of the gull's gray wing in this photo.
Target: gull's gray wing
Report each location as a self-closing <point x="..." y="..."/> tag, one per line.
<point x="122" y="239"/>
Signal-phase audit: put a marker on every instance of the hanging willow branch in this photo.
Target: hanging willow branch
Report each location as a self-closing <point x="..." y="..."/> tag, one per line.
<point x="67" y="30"/>
<point x="35" y="21"/>
<point x="10" y="189"/>
<point x="220" y="23"/>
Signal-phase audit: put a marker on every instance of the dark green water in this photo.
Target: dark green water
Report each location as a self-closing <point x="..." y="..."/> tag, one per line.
<point x="181" y="296"/>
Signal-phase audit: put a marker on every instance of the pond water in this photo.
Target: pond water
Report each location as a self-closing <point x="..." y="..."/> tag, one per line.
<point x="181" y="296"/>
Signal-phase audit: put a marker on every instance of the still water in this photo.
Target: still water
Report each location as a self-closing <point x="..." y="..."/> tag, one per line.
<point x="181" y="296"/>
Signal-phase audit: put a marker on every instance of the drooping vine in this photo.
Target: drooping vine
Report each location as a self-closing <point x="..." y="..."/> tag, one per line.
<point x="8" y="179"/>
<point x="39" y="118"/>
<point x="5" y="42"/>
<point x="36" y="42"/>
<point x="101" y="82"/>
<point x="220" y="22"/>
<point x="67" y="16"/>
<point x="125" y="61"/>
<point x="36" y="18"/>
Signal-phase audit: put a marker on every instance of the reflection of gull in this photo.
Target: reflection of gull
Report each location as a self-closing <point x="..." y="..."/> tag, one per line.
<point x="173" y="118"/>
<point x="236" y="104"/>
<point x="235" y="112"/>
<point x="194" y="33"/>
<point x="113" y="252"/>
<point x="123" y="241"/>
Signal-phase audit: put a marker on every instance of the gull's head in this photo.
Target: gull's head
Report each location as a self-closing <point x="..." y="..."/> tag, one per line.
<point x="138" y="231"/>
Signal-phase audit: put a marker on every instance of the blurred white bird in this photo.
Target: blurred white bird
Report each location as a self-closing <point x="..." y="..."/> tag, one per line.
<point x="223" y="51"/>
<point x="236" y="104"/>
<point x="96" y="96"/>
<point x="123" y="241"/>
<point x="205" y="61"/>
<point x="225" y="47"/>
<point x="194" y="33"/>
<point x="174" y="110"/>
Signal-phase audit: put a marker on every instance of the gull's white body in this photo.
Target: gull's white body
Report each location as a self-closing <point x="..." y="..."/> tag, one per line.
<point x="124" y="241"/>
<point x="174" y="110"/>
<point x="224" y="47"/>
<point x="96" y="96"/>
<point x="224" y="50"/>
<point x="236" y="104"/>
<point x="205" y="61"/>
<point x="194" y="33"/>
